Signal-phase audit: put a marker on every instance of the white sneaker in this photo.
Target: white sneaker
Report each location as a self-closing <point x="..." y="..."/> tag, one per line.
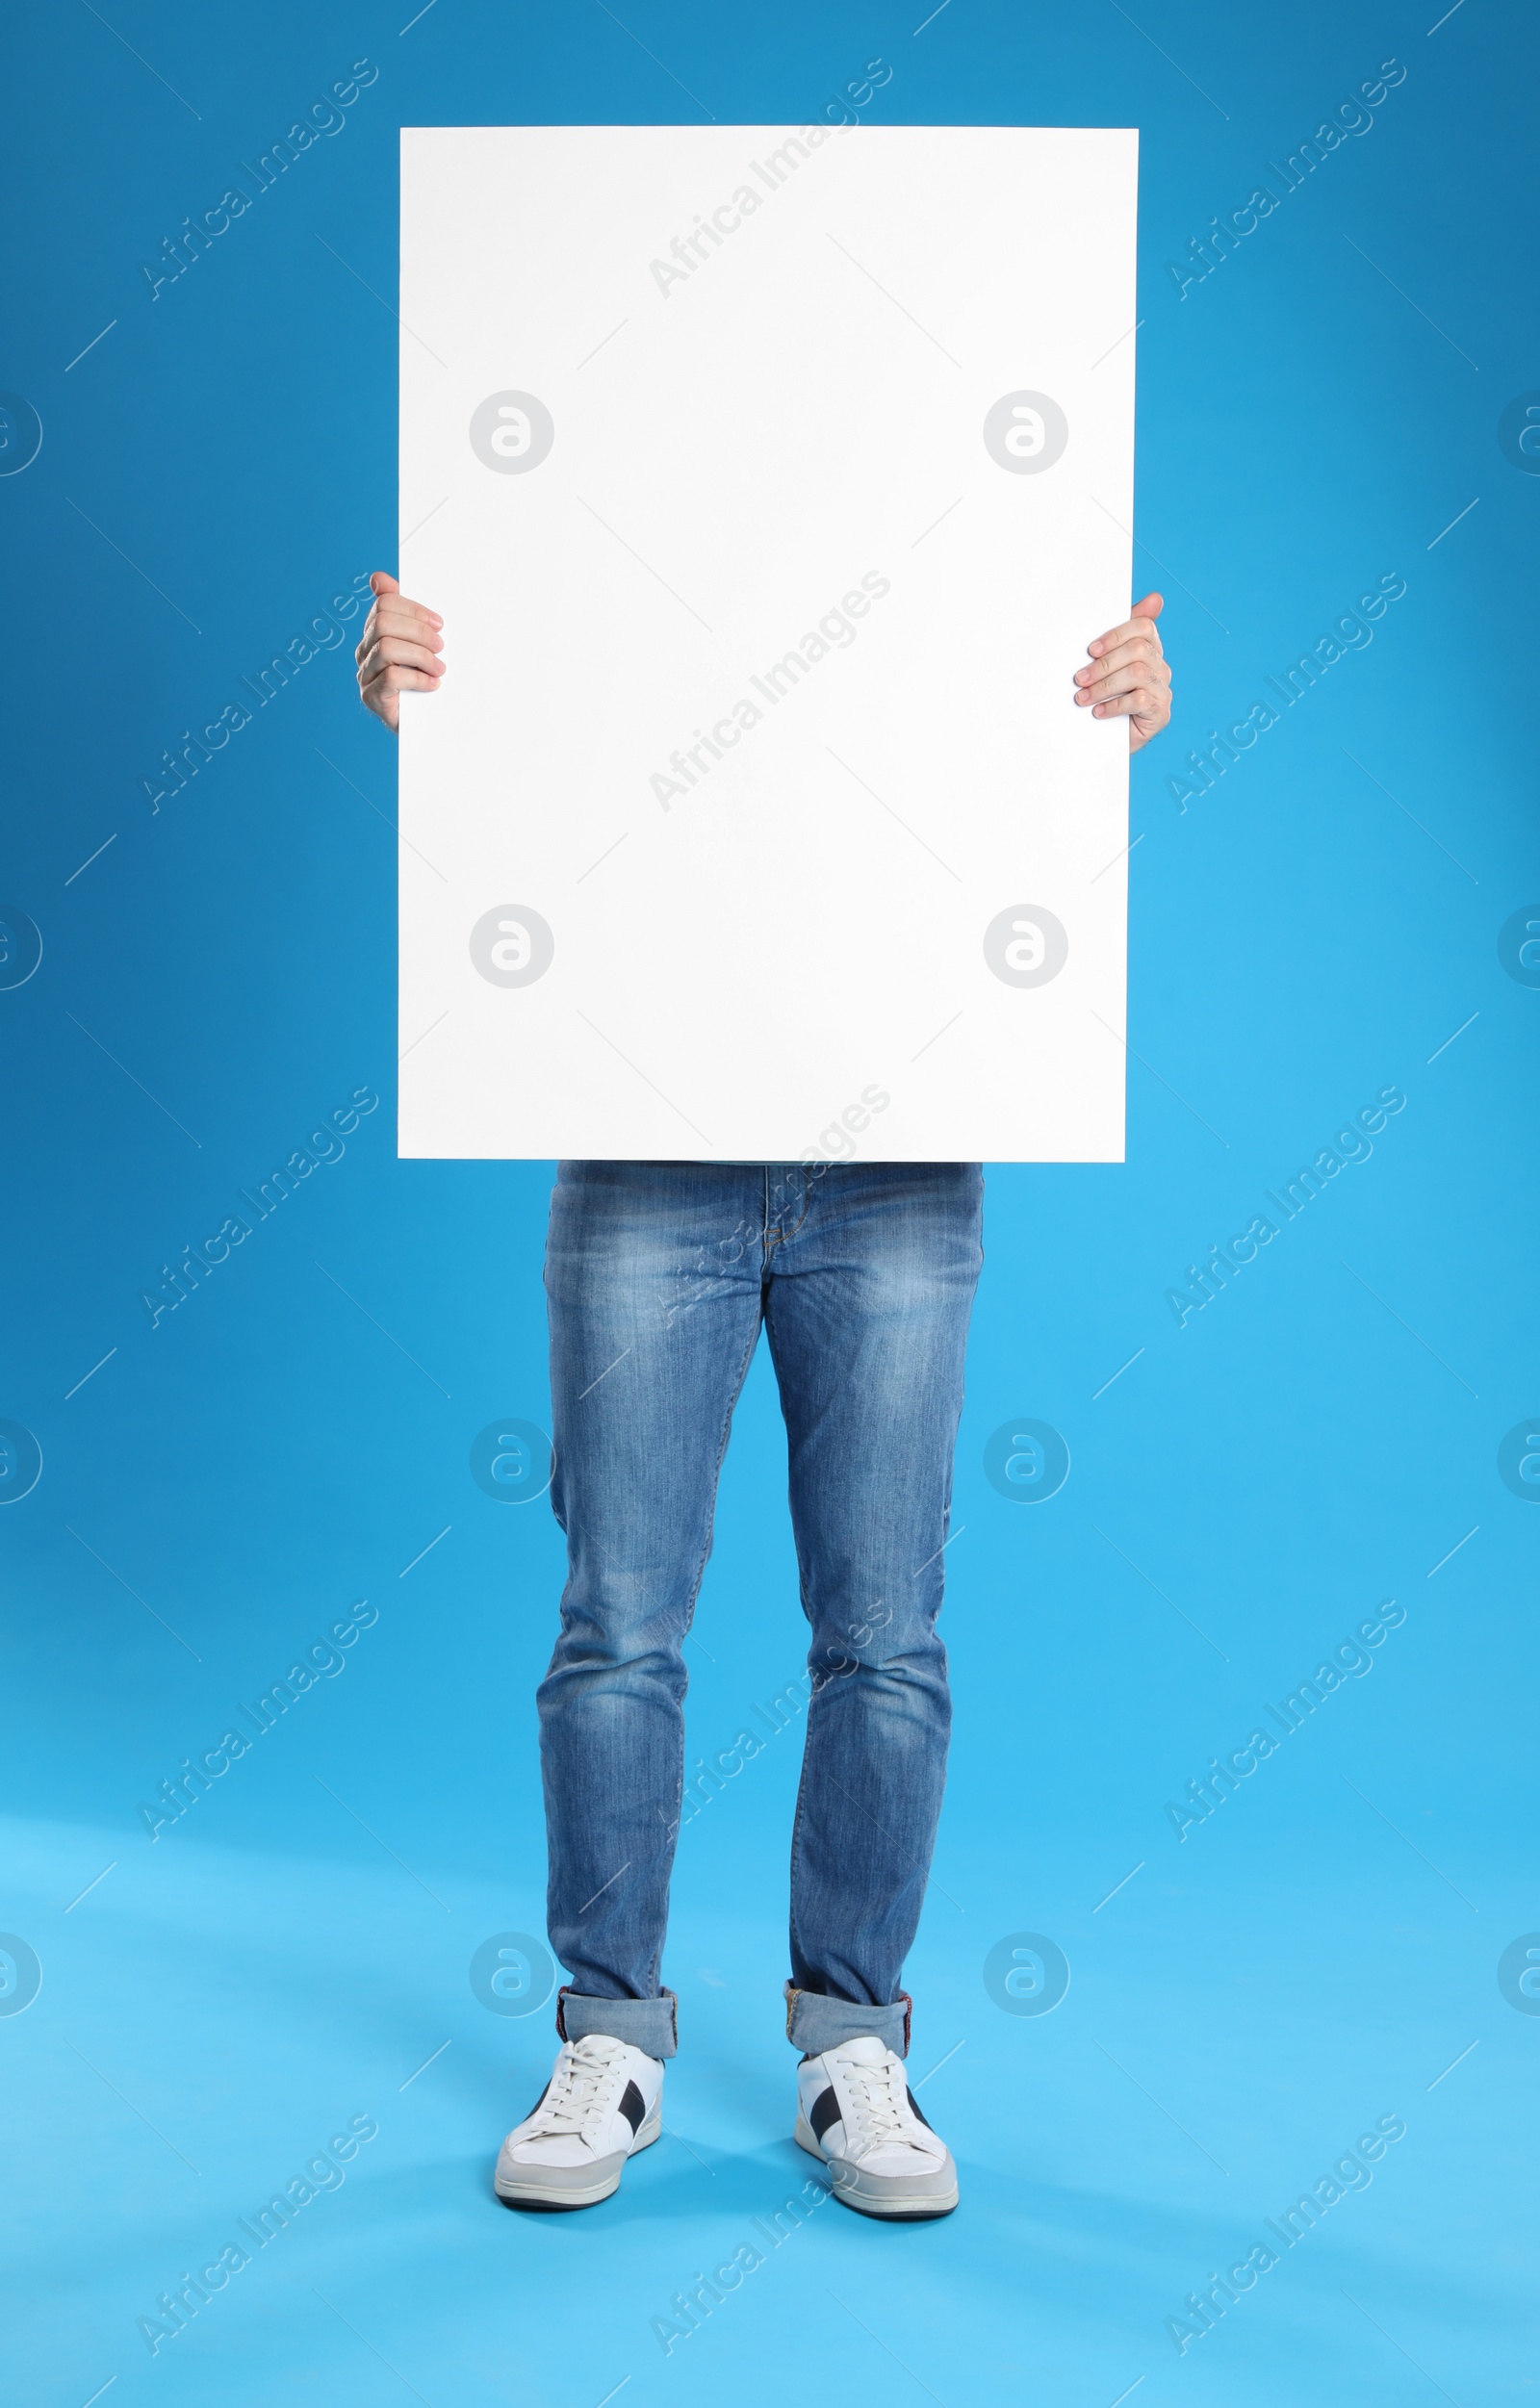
<point x="856" y="2112"/>
<point x="603" y="2103"/>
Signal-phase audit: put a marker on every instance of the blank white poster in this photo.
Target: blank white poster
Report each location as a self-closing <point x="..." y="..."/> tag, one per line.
<point x="771" y="483"/>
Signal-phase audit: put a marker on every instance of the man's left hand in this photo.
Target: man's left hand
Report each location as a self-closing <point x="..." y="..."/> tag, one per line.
<point x="1129" y="673"/>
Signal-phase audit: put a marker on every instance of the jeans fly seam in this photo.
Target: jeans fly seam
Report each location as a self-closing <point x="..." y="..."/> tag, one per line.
<point x="778" y="1236"/>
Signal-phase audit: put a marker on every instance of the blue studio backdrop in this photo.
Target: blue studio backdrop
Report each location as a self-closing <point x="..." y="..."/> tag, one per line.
<point x="1228" y="1986"/>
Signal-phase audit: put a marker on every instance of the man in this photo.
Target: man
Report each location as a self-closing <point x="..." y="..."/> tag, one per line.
<point x="658" y="1277"/>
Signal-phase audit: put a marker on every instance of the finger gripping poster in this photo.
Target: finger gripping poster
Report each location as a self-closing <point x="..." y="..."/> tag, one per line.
<point x="770" y="483"/>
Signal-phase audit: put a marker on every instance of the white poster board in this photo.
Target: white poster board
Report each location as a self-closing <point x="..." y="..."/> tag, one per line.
<point x="770" y="483"/>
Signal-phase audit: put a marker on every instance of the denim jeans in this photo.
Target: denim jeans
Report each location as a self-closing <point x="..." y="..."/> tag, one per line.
<point x="658" y="1276"/>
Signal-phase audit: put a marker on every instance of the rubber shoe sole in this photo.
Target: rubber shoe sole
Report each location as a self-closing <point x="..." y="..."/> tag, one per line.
<point x="555" y="2188"/>
<point x="901" y="2199"/>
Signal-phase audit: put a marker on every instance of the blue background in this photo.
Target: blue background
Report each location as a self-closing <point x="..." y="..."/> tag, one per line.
<point x="1313" y="416"/>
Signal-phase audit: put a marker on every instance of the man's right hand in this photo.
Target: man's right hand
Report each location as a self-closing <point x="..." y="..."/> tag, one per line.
<point x="398" y="653"/>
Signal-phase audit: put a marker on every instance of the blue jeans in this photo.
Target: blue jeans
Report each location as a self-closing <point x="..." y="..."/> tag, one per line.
<point x="658" y="1276"/>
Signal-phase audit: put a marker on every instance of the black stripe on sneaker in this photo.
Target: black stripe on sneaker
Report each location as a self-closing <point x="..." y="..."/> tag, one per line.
<point x="632" y="2106"/>
<point x="824" y="2112"/>
<point x="914" y="2108"/>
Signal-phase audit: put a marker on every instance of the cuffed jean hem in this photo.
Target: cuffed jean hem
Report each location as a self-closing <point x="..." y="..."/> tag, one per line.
<point x="815" y="2023"/>
<point x="649" y="2024"/>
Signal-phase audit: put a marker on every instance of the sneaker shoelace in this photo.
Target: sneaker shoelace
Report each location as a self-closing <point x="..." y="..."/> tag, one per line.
<point x="882" y="2103"/>
<point x="578" y="2089"/>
